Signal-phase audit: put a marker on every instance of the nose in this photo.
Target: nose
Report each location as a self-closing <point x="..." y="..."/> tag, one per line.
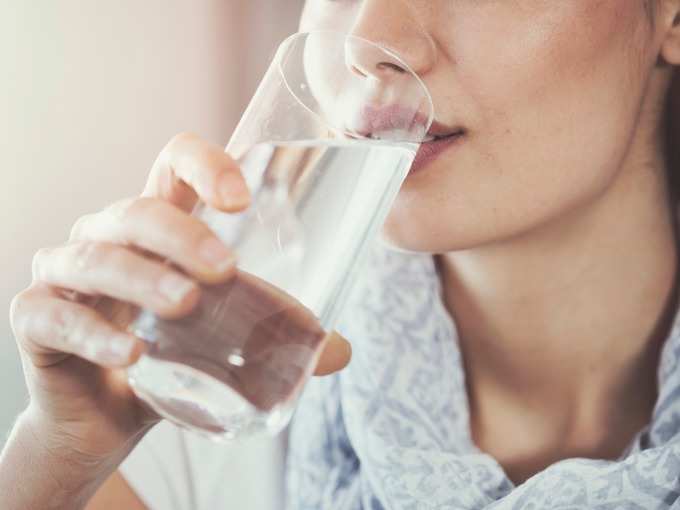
<point x="393" y="24"/>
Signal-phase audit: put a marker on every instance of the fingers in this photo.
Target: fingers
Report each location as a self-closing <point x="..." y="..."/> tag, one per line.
<point x="163" y="229"/>
<point x="189" y="168"/>
<point x="114" y="271"/>
<point x="48" y="329"/>
<point x="335" y="356"/>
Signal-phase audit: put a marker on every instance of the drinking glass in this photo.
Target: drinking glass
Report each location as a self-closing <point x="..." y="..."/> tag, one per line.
<point x="324" y="146"/>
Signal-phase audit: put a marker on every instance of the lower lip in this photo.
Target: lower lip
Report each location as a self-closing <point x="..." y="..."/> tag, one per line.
<point x="429" y="151"/>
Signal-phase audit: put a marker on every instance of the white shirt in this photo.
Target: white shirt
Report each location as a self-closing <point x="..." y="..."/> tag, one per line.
<point x="173" y="469"/>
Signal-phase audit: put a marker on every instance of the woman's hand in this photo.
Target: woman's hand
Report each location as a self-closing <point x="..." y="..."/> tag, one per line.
<point x="70" y="323"/>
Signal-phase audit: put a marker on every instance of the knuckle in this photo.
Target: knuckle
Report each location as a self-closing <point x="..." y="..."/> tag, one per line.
<point x="38" y="323"/>
<point x="177" y="142"/>
<point x="38" y="262"/>
<point x="17" y="312"/>
<point x="66" y="326"/>
<point x="126" y="209"/>
<point x="116" y="256"/>
<point x="79" y="227"/>
<point x="126" y="216"/>
<point x="60" y="321"/>
<point x="27" y="318"/>
<point x="89" y="255"/>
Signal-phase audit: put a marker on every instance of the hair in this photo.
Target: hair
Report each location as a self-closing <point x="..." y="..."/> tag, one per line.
<point x="672" y="142"/>
<point x="650" y="9"/>
<point x="671" y="120"/>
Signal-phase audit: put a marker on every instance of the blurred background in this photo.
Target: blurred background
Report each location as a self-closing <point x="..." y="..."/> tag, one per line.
<point x="90" y="92"/>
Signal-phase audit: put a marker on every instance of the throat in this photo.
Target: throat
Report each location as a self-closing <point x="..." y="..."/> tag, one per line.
<point x="571" y="375"/>
<point x="539" y="399"/>
<point x="561" y="327"/>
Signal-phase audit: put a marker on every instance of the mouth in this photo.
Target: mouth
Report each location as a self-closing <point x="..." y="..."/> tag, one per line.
<point x="393" y="122"/>
<point x="439" y="132"/>
<point x="439" y="138"/>
<point x="397" y="122"/>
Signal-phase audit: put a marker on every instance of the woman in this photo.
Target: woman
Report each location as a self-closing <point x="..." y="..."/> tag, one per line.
<point x="547" y="228"/>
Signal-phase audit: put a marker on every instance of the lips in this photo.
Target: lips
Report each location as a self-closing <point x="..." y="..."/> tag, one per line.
<point x="388" y="122"/>
<point x="430" y="149"/>
<point x="395" y="122"/>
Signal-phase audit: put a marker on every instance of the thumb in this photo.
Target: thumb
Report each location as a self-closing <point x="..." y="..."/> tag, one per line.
<point x="335" y="355"/>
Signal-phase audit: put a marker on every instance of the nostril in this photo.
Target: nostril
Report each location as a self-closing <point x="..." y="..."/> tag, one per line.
<point x="381" y="67"/>
<point x="389" y="66"/>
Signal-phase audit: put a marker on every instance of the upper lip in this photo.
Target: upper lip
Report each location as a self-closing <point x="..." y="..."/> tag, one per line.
<point x="374" y="119"/>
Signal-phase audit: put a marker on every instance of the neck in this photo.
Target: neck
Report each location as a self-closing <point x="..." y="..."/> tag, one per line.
<point x="570" y="318"/>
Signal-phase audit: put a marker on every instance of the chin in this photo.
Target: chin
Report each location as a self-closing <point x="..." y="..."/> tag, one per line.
<point x="418" y="239"/>
<point x="429" y="229"/>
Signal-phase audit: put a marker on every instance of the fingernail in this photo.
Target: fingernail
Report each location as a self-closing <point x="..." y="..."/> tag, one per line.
<point x="216" y="254"/>
<point x="174" y="287"/>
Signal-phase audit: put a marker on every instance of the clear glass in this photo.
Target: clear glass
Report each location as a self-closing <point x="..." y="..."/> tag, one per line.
<point x="324" y="146"/>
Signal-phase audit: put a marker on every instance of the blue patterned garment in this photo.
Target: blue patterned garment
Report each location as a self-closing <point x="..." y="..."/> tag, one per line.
<point x="392" y="431"/>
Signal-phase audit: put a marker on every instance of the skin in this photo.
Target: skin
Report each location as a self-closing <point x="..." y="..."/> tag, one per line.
<point x="560" y="169"/>
<point x="83" y="419"/>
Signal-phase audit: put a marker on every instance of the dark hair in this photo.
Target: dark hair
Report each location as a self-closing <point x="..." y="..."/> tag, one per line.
<point x="671" y="120"/>
<point x="672" y="142"/>
<point x="650" y="9"/>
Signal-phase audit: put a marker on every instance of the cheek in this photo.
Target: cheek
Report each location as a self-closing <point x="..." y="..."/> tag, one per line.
<point x="554" y="71"/>
<point x="552" y="106"/>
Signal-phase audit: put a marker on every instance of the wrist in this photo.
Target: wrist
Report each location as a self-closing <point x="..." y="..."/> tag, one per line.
<point x="59" y="448"/>
<point x="39" y="469"/>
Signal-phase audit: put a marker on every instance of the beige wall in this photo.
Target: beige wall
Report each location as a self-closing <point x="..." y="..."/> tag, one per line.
<point x="90" y="91"/>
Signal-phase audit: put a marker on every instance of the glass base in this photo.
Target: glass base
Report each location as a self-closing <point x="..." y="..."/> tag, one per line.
<point x="200" y="403"/>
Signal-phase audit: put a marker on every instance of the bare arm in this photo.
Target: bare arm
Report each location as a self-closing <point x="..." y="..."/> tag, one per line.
<point x="32" y="479"/>
<point x="36" y="476"/>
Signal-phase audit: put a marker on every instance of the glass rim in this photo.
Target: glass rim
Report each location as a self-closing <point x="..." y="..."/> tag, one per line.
<point x="288" y="41"/>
